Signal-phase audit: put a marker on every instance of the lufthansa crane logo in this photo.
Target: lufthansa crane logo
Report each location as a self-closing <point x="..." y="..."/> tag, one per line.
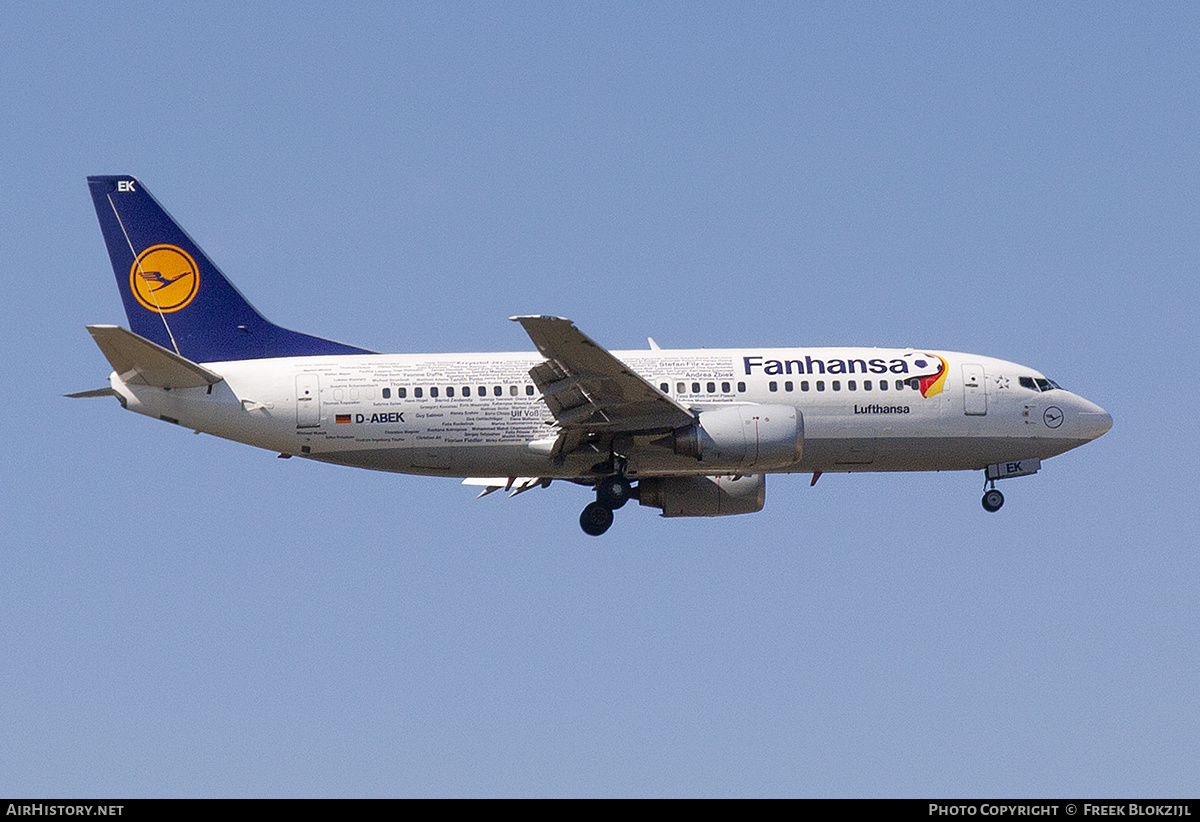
<point x="164" y="278"/>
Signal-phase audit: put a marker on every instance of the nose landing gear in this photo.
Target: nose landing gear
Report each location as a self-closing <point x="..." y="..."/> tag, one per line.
<point x="612" y="492"/>
<point x="993" y="499"/>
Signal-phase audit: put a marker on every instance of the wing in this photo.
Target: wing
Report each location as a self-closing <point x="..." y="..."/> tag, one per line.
<point x="514" y="485"/>
<point x="592" y="393"/>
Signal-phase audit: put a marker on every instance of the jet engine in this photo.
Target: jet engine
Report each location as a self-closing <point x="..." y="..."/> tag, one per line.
<point x="744" y="436"/>
<point x="704" y="496"/>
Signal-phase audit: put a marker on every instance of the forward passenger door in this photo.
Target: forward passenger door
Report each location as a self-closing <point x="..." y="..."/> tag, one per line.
<point x="974" y="390"/>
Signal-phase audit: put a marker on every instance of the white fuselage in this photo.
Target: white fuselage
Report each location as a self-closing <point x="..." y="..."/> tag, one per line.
<point x="480" y="415"/>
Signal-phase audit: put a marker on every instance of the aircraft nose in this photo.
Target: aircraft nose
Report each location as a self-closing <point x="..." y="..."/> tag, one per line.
<point x="1094" y="421"/>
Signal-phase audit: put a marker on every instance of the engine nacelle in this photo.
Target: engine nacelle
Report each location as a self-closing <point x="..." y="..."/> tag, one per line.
<point x="744" y="436"/>
<point x="704" y="496"/>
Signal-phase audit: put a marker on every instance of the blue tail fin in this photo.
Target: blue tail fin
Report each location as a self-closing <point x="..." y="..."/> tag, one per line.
<point x="173" y="293"/>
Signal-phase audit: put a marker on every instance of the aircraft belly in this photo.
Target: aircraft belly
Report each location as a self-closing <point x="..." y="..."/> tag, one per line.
<point x="455" y="461"/>
<point x="932" y="453"/>
<point x="217" y="411"/>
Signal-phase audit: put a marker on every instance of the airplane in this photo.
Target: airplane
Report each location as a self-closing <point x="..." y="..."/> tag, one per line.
<point x="691" y="432"/>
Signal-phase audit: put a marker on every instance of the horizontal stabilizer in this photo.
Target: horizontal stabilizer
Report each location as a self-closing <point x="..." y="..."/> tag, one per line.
<point x="141" y="362"/>
<point x="95" y="392"/>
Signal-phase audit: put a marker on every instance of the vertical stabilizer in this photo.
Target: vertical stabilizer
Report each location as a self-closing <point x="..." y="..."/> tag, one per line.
<point x="173" y="293"/>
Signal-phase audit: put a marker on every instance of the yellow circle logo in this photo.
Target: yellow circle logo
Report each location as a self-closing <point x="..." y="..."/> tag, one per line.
<point x="164" y="278"/>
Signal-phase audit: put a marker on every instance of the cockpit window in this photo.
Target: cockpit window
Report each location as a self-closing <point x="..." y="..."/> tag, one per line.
<point x="1038" y="383"/>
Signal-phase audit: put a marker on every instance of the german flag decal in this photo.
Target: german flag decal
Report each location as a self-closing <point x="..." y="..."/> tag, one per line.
<point x="341" y="418"/>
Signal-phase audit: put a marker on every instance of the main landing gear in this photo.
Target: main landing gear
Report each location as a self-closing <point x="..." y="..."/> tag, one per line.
<point x="992" y="499"/>
<point x="611" y="493"/>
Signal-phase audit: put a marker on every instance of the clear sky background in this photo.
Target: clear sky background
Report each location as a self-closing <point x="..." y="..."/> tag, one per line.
<point x="182" y="616"/>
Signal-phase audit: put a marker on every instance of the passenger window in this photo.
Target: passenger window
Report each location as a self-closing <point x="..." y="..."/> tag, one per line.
<point x="789" y="386"/>
<point x="772" y="386"/>
<point x="664" y="387"/>
<point x="401" y="392"/>
<point x="433" y="392"/>
<point x="899" y="385"/>
<point x="866" y="385"/>
<point x="680" y="388"/>
<point x="497" y="391"/>
<point x="450" y="391"/>
<point x="529" y="390"/>
<point x="724" y="388"/>
<point x="466" y="390"/>
<point x="883" y="385"/>
<point x="418" y="392"/>
<point x="851" y="385"/>
<point x="512" y="391"/>
<point x="820" y="385"/>
<point x="695" y="388"/>
<point x="741" y="388"/>
<point x="803" y="385"/>
<point x="387" y="393"/>
<point x="483" y="390"/>
<point x="837" y="385"/>
<point x="712" y="387"/>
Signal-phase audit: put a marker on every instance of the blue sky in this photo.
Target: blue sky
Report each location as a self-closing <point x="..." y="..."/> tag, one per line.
<point x="185" y="616"/>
